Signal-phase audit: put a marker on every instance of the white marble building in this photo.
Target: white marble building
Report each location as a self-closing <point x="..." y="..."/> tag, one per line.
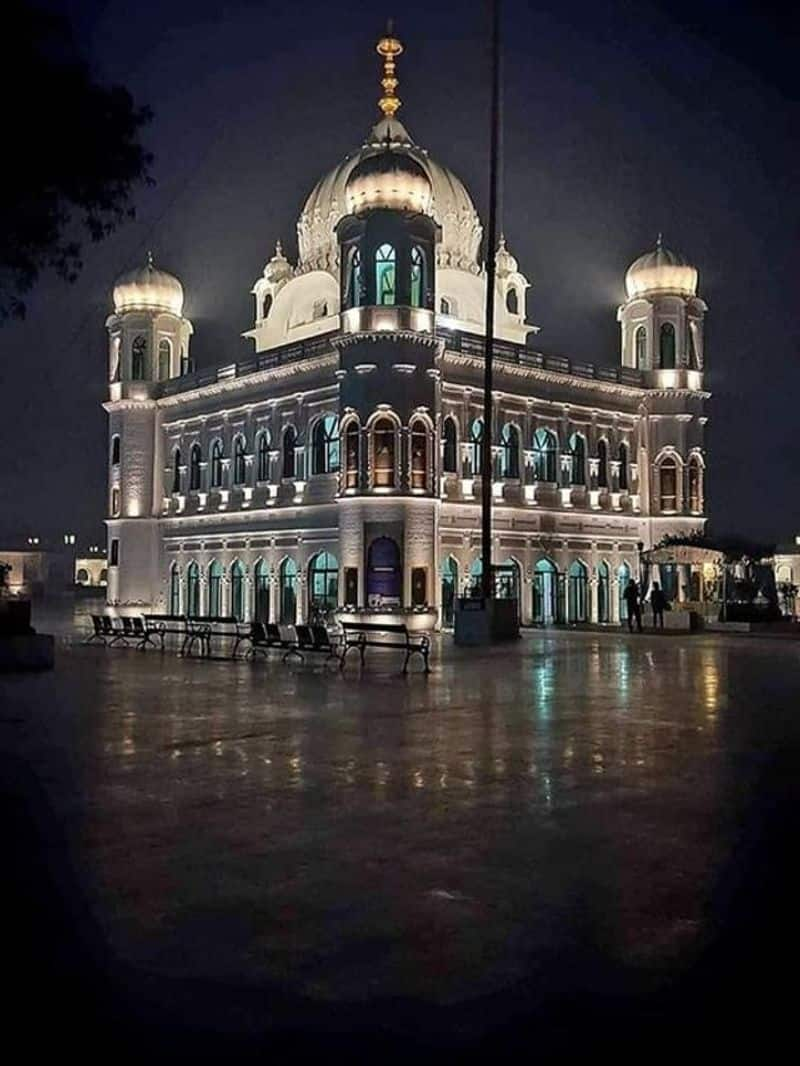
<point x="341" y="462"/>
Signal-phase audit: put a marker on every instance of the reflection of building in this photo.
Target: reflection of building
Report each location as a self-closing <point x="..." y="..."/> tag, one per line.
<point x="341" y="462"/>
<point x="35" y="573"/>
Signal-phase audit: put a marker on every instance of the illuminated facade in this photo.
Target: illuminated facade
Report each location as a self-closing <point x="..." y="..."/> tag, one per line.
<point x="340" y="464"/>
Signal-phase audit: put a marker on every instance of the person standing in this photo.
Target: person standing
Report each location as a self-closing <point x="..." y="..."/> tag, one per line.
<point x="658" y="602"/>
<point x="634" y="605"/>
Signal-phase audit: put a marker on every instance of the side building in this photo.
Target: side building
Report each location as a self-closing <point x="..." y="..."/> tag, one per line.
<point x="340" y="464"/>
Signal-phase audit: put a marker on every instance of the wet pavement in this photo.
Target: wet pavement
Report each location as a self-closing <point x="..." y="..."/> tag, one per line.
<point x="585" y="839"/>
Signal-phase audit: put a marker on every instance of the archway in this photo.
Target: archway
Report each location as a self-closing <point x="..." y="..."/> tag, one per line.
<point x="603" y="589"/>
<point x="507" y="582"/>
<point x="623" y="577"/>
<point x="577" y="593"/>
<point x="545" y="592"/>
<point x="323" y="583"/>
<point x="237" y="591"/>
<point x="288" y="592"/>
<point x="384" y="572"/>
<point x="261" y="592"/>
<point x="449" y="590"/>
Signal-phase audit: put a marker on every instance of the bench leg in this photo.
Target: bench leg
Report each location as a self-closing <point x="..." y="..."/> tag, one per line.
<point x="343" y="656"/>
<point x="292" y="651"/>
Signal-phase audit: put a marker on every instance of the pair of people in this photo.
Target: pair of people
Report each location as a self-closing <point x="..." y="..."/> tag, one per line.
<point x="633" y="601"/>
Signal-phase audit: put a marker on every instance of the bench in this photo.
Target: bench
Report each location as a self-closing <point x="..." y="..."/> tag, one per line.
<point x="160" y="625"/>
<point x="98" y="632"/>
<point x="202" y="628"/>
<point x="315" y="638"/>
<point x="362" y="635"/>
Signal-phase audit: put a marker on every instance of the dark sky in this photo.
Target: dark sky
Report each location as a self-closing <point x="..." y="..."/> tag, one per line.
<point x="620" y="120"/>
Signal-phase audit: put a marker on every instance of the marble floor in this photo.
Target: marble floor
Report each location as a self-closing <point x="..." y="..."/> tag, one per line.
<point x="584" y="839"/>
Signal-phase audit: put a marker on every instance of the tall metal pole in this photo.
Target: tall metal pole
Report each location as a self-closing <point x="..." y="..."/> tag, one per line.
<point x="487" y="463"/>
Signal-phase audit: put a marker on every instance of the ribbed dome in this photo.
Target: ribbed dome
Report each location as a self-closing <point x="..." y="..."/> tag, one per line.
<point x="451" y="206"/>
<point x="388" y="179"/>
<point x="661" y="271"/>
<point x="148" y="289"/>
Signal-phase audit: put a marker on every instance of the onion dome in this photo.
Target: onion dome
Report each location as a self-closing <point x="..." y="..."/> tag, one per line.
<point x="278" y="268"/>
<point x="148" y="289"/>
<point x="505" y="263"/>
<point x="391" y="180"/>
<point x="661" y="271"/>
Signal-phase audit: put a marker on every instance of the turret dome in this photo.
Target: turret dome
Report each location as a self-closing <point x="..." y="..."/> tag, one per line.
<point x="661" y="271"/>
<point x="148" y="289"/>
<point x="388" y="179"/>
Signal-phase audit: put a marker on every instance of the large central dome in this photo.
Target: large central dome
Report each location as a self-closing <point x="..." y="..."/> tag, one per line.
<point x="452" y="206"/>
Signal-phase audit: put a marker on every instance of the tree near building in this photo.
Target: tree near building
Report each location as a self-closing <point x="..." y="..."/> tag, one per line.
<point x="76" y="152"/>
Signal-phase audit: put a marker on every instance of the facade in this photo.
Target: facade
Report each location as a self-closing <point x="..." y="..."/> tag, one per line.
<point x="35" y="572"/>
<point x="340" y="464"/>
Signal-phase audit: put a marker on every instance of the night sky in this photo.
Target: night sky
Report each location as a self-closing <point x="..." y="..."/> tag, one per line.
<point x="619" y="122"/>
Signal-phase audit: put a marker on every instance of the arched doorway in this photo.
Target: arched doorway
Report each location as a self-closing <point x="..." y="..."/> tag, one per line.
<point x="577" y="593"/>
<point x="323" y="584"/>
<point x="384" y="572"/>
<point x="174" y="589"/>
<point x="193" y="590"/>
<point x="261" y="592"/>
<point x="507" y="582"/>
<point x="288" y="592"/>
<point x="603" y="593"/>
<point x="545" y="593"/>
<point x="449" y="590"/>
<point x="237" y="591"/>
<point x="475" y="577"/>
<point x="623" y="577"/>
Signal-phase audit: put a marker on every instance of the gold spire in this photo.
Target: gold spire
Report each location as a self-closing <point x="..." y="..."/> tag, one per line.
<point x="390" y="48"/>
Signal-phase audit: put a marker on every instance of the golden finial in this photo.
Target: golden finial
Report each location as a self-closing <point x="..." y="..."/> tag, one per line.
<point x="390" y="48"/>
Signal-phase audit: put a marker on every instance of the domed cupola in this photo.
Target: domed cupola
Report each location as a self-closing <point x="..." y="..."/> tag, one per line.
<point x="390" y="180"/>
<point x="148" y="289"/>
<point x="279" y="268"/>
<point x="660" y="271"/>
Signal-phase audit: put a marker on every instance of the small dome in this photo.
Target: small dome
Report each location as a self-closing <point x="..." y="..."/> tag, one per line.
<point x="391" y="180"/>
<point x="661" y="271"/>
<point x="279" y="267"/>
<point x="505" y="263"/>
<point x="148" y="289"/>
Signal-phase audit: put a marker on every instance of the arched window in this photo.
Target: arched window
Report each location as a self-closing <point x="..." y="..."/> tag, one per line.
<point x="419" y="455"/>
<point x="187" y="367"/>
<point x="623" y="580"/>
<point x="512" y="301"/>
<point x="695" y="491"/>
<point x="603" y="593"/>
<point x="320" y="309"/>
<point x="640" y="346"/>
<point x="174" y="589"/>
<point x="450" y="457"/>
<point x="577" y="593"/>
<point x="323" y="583"/>
<point x="667" y="346"/>
<point x="266" y="305"/>
<point x="602" y="464"/>
<point x="237" y="591"/>
<point x="668" y="484"/>
<point x="623" y="466"/>
<point x="449" y="590"/>
<point x="164" y="359"/>
<point x="193" y="590"/>
<point x="115" y="450"/>
<point x="139" y="358"/>
<point x="195" y="458"/>
<point x="262" y="456"/>
<point x="115" y="502"/>
<point x="383" y="454"/>
<point x="475" y="447"/>
<point x="445" y="307"/>
<point x="385" y="275"/>
<point x="216" y="464"/>
<point x="176" y="471"/>
<point x="215" y="589"/>
<point x="694" y="362"/>
<point x="239" y="462"/>
<point x="545" y="455"/>
<point x="288" y="592"/>
<point x="509" y="451"/>
<point x="545" y="592"/>
<point x="289" y="445"/>
<point x="325" y="445"/>
<point x="82" y="577"/>
<point x="577" y="466"/>
<point x="261" y="592"/>
<point x="354" y="288"/>
<point x="417" y="276"/>
<point x="352" y="456"/>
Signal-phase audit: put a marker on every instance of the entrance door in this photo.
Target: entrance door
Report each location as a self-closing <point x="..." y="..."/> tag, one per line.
<point x="384" y="572"/>
<point x="449" y="590"/>
<point x="545" y="592"/>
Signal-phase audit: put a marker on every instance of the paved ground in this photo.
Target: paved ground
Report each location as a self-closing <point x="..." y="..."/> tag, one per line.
<point x="579" y="843"/>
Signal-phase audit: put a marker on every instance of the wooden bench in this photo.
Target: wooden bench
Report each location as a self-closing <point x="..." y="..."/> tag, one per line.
<point x="362" y="635"/>
<point x="315" y="638"/>
<point x="160" y="626"/>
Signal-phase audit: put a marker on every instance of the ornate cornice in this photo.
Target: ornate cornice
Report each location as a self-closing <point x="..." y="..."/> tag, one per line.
<point x="551" y="377"/>
<point x="129" y="405"/>
<point x="257" y="377"/>
<point x="426" y="340"/>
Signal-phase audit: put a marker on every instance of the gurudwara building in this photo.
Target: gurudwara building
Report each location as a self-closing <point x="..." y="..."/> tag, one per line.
<point x="340" y="463"/>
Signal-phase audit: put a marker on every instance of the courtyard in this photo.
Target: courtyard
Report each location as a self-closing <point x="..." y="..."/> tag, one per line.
<point x="584" y="839"/>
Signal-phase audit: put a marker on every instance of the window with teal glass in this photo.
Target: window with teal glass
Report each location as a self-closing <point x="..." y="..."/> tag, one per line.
<point x="353" y="297"/>
<point x="667" y="346"/>
<point x="417" y="276"/>
<point x="385" y="261"/>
